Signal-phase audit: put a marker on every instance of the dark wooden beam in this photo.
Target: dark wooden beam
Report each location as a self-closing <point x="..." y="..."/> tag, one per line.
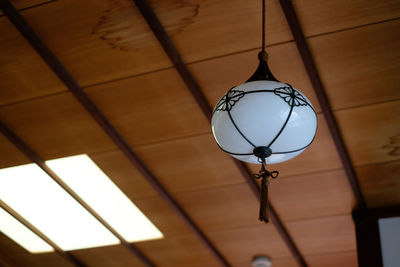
<point x="4" y="260"/>
<point x="369" y="250"/>
<point x="53" y="62"/>
<point x="162" y="36"/>
<point x="33" y="156"/>
<point x="312" y="72"/>
<point x="66" y="255"/>
<point x="173" y="54"/>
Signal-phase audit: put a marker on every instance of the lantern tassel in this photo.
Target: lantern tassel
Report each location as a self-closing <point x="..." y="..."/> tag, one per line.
<point x="265" y="176"/>
<point x="264" y="200"/>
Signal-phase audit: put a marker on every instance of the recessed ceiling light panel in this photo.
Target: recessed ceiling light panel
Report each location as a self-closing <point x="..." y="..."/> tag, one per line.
<point x="87" y="180"/>
<point x="31" y="193"/>
<point x="18" y="232"/>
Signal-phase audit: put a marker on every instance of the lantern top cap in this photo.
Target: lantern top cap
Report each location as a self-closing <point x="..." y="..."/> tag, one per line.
<point x="263" y="56"/>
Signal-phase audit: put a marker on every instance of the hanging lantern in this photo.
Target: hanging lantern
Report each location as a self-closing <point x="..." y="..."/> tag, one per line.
<point x="264" y="121"/>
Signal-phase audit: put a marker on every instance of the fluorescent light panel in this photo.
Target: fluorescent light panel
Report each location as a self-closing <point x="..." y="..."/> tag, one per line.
<point x="30" y="192"/>
<point x="87" y="180"/>
<point x="18" y="232"/>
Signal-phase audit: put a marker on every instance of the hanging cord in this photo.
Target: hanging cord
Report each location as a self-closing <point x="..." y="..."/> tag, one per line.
<point x="263" y="26"/>
<point x="265" y="176"/>
<point x="263" y="72"/>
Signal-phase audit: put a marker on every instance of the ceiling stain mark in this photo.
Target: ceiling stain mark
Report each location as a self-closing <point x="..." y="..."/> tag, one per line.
<point x="122" y="27"/>
<point x="394" y="145"/>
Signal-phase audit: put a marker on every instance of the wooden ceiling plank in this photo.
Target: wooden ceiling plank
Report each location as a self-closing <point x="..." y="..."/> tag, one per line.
<point x="92" y="109"/>
<point x="66" y="255"/>
<point x="139" y="107"/>
<point x="181" y="250"/>
<point x="21" y="5"/>
<point x="194" y="88"/>
<point x="116" y="166"/>
<point x="347" y="258"/>
<point x="359" y="67"/>
<point x="313" y="195"/>
<point x="243" y="243"/>
<point x="372" y="133"/>
<point x="33" y="156"/>
<point x="21" y="257"/>
<point x="79" y="31"/>
<point x="23" y="73"/>
<point x="332" y="234"/>
<point x="322" y="98"/>
<point x="380" y="183"/>
<point x="173" y="54"/>
<point x="322" y="194"/>
<point x="108" y="256"/>
<point x="56" y="126"/>
<point x="4" y="261"/>
<point x="190" y="164"/>
<point x="317" y="17"/>
<point x="279" y="262"/>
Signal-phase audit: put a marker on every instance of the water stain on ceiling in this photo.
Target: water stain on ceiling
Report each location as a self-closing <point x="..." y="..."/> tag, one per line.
<point x="122" y="27"/>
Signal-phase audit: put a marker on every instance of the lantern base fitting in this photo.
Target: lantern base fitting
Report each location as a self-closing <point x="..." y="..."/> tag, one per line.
<point x="262" y="152"/>
<point x="265" y="176"/>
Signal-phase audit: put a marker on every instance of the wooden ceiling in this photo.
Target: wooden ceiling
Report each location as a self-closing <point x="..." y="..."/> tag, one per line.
<point x="110" y="50"/>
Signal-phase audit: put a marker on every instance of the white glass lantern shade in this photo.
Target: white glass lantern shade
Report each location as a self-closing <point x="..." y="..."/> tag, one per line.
<point x="264" y="114"/>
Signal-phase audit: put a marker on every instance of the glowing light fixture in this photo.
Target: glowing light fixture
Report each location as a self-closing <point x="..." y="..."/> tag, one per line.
<point x="21" y="234"/>
<point x="31" y="193"/>
<point x="87" y="180"/>
<point x="36" y="197"/>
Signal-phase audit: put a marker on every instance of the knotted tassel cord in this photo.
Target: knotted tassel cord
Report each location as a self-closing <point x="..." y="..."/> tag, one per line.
<point x="265" y="176"/>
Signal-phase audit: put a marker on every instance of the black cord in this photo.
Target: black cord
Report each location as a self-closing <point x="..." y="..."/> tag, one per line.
<point x="263" y="26"/>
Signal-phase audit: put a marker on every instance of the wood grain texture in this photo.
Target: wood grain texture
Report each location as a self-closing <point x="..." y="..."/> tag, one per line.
<point x="357" y="69"/>
<point x="20" y="257"/>
<point x="123" y="174"/>
<point x="380" y="183"/>
<point x="223" y="27"/>
<point x="319" y="17"/>
<point x="55" y="126"/>
<point x="190" y="164"/>
<point x="22" y="72"/>
<point x="217" y="76"/>
<point x="164" y="217"/>
<point x="348" y="259"/>
<point x="321" y="155"/>
<point x="113" y="256"/>
<point x="312" y="195"/>
<point x="240" y="244"/>
<point x="177" y="251"/>
<point x="150" y="108"/>
<point x="371" y="133"/>
<point x="23" y="4"/>
<point x="324" y="235"/>
<point x="115" y="30"/>
<point x="9" y="155"/>
<point x="281" y="262"/>
<point x="72" y="36"/>
<point x="221" y="208"/>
